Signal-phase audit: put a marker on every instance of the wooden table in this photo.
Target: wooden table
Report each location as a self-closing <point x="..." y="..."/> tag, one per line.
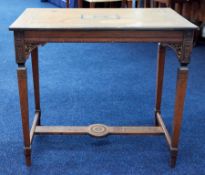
<point x="164" y="26"/>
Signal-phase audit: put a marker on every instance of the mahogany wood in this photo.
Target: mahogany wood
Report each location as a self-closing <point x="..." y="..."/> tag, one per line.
<point x="23" y="94"/>
<point x="91" y="35"/>
<point x="160" y="77"/>
<point x="34" y="60"/>
<point x="182" y="76"/>
<point x="29" y="35"/>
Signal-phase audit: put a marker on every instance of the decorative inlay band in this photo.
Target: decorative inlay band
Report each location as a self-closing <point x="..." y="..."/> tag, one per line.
<point x="22" y="74"/>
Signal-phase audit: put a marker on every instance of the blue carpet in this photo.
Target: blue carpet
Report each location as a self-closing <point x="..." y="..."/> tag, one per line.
<point x="112" y="84"/>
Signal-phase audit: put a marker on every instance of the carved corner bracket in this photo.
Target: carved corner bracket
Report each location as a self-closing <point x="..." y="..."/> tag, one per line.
<point x="183" y="50"/>
<point x="177" y="48"/>
<point x="23" y="49"/>
<point x="29" y="47"/>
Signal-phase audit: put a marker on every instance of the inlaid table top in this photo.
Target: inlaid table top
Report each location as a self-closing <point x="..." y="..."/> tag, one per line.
<point x="137" y="19"/>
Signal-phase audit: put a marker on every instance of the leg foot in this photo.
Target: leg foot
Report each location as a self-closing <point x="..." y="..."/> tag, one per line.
<point x="27" y="152"/>
<point x="39" y="119"/>
<point x="173" y="158"/>
<point x="156" y="121"/>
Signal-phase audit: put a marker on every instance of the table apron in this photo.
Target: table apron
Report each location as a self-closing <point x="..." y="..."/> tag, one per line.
<point x="103" y="36"/>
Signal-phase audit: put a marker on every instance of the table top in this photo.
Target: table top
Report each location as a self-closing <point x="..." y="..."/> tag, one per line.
<point x="121" y="18"/>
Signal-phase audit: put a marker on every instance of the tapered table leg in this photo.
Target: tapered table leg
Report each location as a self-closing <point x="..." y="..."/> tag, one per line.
<point x="35" y="69"/>
<point x="182" y="76"/>
<point x="23" y="95"/>
<point x="160" y="77"/>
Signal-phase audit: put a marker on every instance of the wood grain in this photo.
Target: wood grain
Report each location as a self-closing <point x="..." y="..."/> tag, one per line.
<point x="23" y="96"/>
<point x="182" y="76"/>
<point x="35" y="71"/>
<point x="160" y="78"/>
<point x="99" y="130"/>
<point x="137" y="19"/>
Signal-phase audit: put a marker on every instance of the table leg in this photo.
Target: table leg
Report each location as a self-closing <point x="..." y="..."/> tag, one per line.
<point x="23" y="94"/>
<point x="35" y="69"/>
<point x="160" y="77"/>
<point x="182" y="76"/>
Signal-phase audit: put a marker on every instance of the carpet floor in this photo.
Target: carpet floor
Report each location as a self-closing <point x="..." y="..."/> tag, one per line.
<point x="113" y="84"/>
